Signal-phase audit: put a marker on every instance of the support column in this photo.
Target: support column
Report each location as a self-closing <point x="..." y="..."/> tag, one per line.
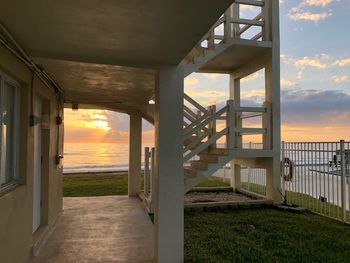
<point x="135" y="144"/>
<point x="272" y="90"/>
<point x="235" y="95"/>
<point x="169" y="207"/>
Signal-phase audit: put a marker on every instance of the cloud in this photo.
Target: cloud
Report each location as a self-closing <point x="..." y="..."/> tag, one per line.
<point x="251" y="77"/>
<point x="287" y="83"/>
<point x="310" y="62"/>
<point x="302" y="11"/>
<point x="308" y="16"/>
<point x="191" y="81"/>
<point x="322" y="3"/>
<point x="314" y="107"/>
<point x="342" y="62"/>
<point x="340" y="79"/>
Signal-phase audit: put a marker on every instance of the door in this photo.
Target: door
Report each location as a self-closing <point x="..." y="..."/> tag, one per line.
<point x="37" y="165"/>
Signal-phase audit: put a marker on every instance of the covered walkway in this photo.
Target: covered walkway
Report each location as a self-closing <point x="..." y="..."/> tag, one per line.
<point x="99" y="229"/>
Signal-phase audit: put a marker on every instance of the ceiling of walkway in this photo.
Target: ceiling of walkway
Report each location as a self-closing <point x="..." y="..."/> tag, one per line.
<point x="89" y="46"/>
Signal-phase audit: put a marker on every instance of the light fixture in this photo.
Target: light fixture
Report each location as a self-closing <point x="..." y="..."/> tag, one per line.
<point x="75" y="106"/>
<point x="151" y="102"/>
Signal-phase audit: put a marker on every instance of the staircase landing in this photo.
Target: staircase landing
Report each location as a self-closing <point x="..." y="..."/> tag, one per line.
<point x="235" y="54"/>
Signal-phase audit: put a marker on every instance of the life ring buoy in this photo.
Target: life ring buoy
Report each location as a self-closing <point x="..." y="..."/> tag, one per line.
<point x="288" y="163"/>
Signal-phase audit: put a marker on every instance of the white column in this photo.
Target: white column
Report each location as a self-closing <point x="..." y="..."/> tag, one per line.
<point x="169" y="206"/>
<point x="235" y="95"/>
<point x="135" y="140"/>
<point x="272" y="86"/>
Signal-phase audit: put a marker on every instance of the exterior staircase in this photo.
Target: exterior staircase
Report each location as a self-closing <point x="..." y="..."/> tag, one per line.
<point x="202" y="156"/>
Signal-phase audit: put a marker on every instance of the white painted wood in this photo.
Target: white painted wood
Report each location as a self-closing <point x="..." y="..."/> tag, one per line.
<point x="169" y="172"/>
<point x="212" y="125"/>
<point x="37" y="166"/>
<point x="251" y="109"/>
<point x="267" y="125"/>
<point x="250" y="2"/>
<point x="134" y="178"/>
<point x="272" y="90"/>
<point x="147" y="173"/>
<point x="205" y="145"/>
<point x="153" y="181"/>
<point x="248" y="22"/>
<point x="266" y="18"/>
<point x="187" y="133"/>
<point x="230" y="123"/>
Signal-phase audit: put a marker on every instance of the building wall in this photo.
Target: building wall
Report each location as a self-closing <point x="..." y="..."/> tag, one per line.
<point x="16" y="205"/>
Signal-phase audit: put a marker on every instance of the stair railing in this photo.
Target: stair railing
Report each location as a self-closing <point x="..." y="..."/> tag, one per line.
<point x="232" y="131"/>
<point x="236" y="27"/>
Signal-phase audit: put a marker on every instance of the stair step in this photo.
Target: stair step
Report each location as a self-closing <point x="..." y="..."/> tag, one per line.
<point x="190" y="172"/>
<point x="209" y="157"/>
<point x="199" y="165"/>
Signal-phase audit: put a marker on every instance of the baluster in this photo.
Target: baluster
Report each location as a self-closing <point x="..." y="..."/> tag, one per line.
<point x="147" y="173"/>
<point x="212" y="125"/>
<point x="267" y="125"/>
<point x="228" y="24"/>
<point x="153" y="181"/>
<point x="265" y="10"/>
<point x="211" y="39"/>
<point x="230" y="124"/>
<point x="235" y="17"/>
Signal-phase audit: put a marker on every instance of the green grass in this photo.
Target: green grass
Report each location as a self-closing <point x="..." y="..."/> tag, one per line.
<point x="213" y="182"/>
<point x="95" y="184"/>
<point x="264" y="235"/>
<point x="303" y="200"/>
<point x="100" y="184"/>
<point x="245" y="235"/>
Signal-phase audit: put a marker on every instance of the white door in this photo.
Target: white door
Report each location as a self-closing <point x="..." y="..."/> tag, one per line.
<point x="37" y="166"/>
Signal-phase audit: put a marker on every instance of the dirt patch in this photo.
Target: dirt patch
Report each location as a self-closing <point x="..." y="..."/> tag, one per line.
<point x="207" y="197"/>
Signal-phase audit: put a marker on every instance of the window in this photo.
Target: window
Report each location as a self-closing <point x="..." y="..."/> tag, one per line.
<point x="9" y="103"/>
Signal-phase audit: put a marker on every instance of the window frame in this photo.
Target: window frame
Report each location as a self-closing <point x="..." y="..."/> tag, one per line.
<point x="4" y="78"/>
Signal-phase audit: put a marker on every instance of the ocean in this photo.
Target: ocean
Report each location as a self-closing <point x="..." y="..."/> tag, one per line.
<point x="97" y="157"/>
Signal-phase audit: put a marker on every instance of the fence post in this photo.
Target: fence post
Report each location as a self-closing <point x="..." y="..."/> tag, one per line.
<point x="343" y="182"/>
<point x="147" y="173"/>
<point x="283" y="171"/>
<point x="249" y="171"/>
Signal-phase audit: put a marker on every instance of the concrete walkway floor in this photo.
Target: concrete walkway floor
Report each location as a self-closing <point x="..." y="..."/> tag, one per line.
<point x="99" y="229"/>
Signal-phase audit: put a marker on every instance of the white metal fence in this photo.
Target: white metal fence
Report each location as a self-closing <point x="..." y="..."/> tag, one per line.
<point x="316" y="175"/>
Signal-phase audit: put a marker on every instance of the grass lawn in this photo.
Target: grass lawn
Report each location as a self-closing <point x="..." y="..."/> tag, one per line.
<point x="242" y="235"/>
<point x="264" y="235"/>
<point x="303" y="200"/>
<point x="95" y="184"/>
<point x="99" y="184"/>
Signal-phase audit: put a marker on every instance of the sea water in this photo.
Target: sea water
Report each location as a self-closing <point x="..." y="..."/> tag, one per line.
<point x="97" y="157"/>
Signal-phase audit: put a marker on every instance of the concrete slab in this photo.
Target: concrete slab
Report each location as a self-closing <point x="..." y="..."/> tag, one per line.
<point x="99" y="229"/>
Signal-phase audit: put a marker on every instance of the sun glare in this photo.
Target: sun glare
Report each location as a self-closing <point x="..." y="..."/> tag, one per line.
<point x="101" y="125"/>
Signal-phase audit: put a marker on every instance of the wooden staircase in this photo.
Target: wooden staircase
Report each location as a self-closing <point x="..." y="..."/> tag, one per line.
<point x="202" y="157"/>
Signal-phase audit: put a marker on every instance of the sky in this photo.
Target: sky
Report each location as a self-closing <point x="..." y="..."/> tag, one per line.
<point x="315" y="81"/>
